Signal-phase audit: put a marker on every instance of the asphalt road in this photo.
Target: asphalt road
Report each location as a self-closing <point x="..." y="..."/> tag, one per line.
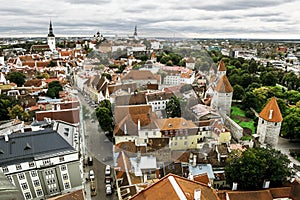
<point x="97" y="146"/>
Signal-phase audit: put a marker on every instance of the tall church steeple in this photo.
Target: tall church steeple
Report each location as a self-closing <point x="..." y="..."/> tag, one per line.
<point x="50" y="34"/>
<point x="51" y="38"/>
<point x="135" y="31"/>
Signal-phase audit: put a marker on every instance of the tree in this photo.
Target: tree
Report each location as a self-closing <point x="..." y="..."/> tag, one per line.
<point x="5" y="103"/>
<point x="53" y="89"/>
<point x="17" y="78"/>
<point x="105" y="119"/>
<point x="291" y="124"/>
<point x="173" y="107"/>
<point x="17" y="111"/>
<point x="268" y="78"/>
<point x="238" y="92"/>
<point x="255" y="165"/>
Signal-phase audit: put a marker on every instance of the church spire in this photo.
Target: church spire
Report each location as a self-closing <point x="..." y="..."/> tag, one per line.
<point x="50" y="34"/>
<point x="135" y="30"/>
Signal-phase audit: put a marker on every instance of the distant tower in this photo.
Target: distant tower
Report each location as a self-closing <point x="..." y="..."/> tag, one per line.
<point x="135" y="35"/>
<point x="51" y="38"/>
<point x="269" y="123"/>
<point x="221" y="69"/>
<point x="222" y="97"/>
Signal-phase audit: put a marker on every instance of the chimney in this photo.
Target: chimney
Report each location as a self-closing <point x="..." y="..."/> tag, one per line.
<point x="271" y="114"/>
<point x="194" y="160"/>
<point x="125" y="129"/>
<point x="197" y="194"/>
<point x="234" y="185"/>
<point x="266" y="184"/>
<point x="139" y="125"/>
<point x="6" y="138"/>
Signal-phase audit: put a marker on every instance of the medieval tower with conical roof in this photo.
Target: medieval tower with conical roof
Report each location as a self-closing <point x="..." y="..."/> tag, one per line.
<point x="222" y="91"/>
<point x="51" y="38"/>
<point x="269" y="123"/>
<point x="222" y="97"/>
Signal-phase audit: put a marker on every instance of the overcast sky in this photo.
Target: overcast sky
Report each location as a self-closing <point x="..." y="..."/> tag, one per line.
<point x="171" y="18"/>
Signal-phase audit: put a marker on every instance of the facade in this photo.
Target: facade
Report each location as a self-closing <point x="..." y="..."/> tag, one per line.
<point x="37" y="167"/>
<point x="141" y="78"/>
<point x="269" y="123"/>
<point x="158" y="101"/>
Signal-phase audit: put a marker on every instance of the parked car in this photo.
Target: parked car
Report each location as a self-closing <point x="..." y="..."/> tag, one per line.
<point x="92" y="174"/>
<point x="107" y="179"/>
<point x="108" y="189"/>
<point x="107" y="158"/>
<point x="90" y="160"/>
<point x="107" y="170"/>
<point x="93" y="188"/>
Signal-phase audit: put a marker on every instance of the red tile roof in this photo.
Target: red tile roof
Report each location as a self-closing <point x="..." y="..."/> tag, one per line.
<point x="171" y="186"/>
<point x="271" y="111"/>
<point x="224" y="85"/>
<point x="221" y="66"/>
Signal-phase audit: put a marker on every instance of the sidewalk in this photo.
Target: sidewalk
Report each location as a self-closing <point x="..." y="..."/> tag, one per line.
<point x="87" y="186"/>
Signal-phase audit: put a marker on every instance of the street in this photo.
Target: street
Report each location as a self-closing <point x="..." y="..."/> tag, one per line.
<point x="98" y="147"/>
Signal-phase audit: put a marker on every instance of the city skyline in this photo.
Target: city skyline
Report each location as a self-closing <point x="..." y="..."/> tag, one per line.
<point x="272" y="19"/>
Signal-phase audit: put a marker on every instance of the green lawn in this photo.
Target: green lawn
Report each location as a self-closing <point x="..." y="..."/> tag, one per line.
<point x="236" y="111"/>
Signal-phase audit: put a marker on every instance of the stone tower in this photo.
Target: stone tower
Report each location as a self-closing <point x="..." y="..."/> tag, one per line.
<point x="51" y="38"/>
<point x="222" y="97"/>
<point x="269" y="123"/>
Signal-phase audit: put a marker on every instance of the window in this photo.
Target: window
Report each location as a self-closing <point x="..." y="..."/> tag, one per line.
<point x="36" y="183"/>
<point x="27" y="195"/>
<point x="21" y="176"/>
<point x="67" y="185"/>
<point x="46" y="162"/>
<point x="31" y="164"/>
<point x="39" y="192"/>
<point x="275" y="123"/>
<point x="146" y="133"/>
<point x="63" y="168"/>
<point x="175" y="143"/>
<point x="185" y="143"/>
<point x="154" y="132"/>
<point x="65" y="176"/>
<point x="33" y="173"/>
<point x="4" y="169"/>
<point x="10" y="178"/>
<point x="61" y="159"/>
<point x="24" y="186"/>
<point x="18" y="167"/>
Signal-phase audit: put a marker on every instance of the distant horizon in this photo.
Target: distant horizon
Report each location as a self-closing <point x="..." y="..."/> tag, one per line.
<point x="149" y="37"/>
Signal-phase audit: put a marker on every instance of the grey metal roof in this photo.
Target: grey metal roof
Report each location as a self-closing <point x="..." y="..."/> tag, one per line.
<point x="29" y="146"/>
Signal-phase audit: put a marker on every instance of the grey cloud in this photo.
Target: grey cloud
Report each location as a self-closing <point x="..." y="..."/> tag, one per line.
<point x="99" y="2"/>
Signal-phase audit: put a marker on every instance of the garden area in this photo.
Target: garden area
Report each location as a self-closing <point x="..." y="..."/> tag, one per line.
<point x="239" y="116"/>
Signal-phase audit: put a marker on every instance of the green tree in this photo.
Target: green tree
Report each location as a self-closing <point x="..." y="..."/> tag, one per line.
<point x="5" y="103"/>
<point x="238" y="92"/>
<point x="18" y="111"/>
<point x="291" y="124"/>
<point x="255" y="165"/>
<point x="173" y="107"/>
<point x="105" y="119"/>
<point x="268" y="78"/>
<point x="53" y="89"/>
<point x="17" y="78"/>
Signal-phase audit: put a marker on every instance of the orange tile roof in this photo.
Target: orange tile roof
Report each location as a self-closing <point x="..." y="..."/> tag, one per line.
<point x="221" y="66"/>
<point x="175" y="124"/>
<point x="202" y="178"/>
<point x="223" y="85"/>
<point x="164" y="189"/>
<point x="250" y="195"/>
<point x="76" y="195"/>
<point x="275" y="115"/>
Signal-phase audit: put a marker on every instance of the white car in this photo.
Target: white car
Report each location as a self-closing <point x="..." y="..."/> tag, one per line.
<point x="92" y="174"/>
<point x="107" y="170"/>
<point x="108" y="189"/>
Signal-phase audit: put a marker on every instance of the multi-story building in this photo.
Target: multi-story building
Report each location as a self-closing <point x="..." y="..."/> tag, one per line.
<point x="158" y="100"/>
<point x="40" y="164"/>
